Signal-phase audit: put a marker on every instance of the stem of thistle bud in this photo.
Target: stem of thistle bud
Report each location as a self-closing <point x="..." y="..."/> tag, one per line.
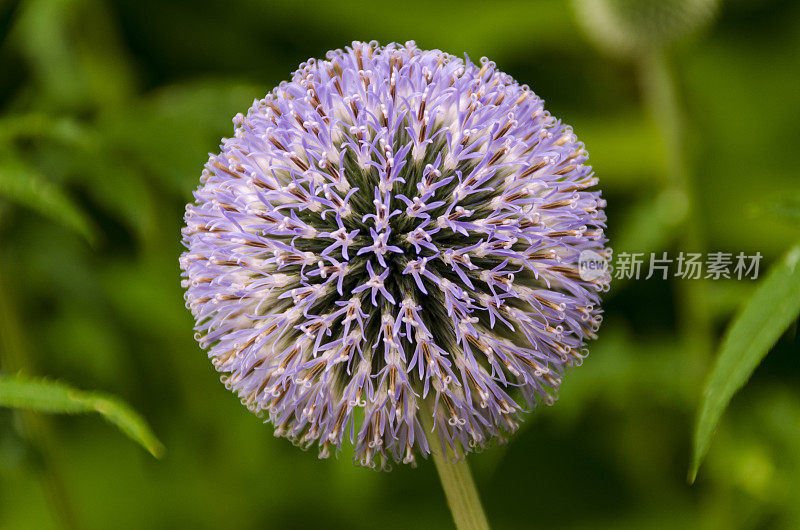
<point x="15" y="357"/>
<point x="456" y="478"/>
<point x="662" y="100"/>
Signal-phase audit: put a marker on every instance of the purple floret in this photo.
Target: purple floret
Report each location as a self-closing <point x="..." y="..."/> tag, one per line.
<point x="392" y="235"/>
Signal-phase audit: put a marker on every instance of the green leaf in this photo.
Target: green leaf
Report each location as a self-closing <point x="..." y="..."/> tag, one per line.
<point x="42" y="125"/>
<point x="766" y="315"/>
<point x="18" y="391"/>
<point x="24" y="185"/>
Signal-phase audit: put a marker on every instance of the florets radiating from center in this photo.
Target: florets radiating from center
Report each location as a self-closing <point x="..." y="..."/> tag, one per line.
<point x="394" y="233"/>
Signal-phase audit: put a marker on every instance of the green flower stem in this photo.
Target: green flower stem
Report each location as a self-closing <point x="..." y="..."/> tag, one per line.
<point x="660" y="94"/>
<point x="13" y="358"/>
<point x="459" y="488"/>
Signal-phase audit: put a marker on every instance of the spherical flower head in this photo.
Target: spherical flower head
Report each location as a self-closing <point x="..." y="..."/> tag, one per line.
<point x="389" y="244"/>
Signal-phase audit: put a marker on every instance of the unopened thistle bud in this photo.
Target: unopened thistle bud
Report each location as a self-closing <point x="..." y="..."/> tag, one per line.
<point x="395" y="233"/>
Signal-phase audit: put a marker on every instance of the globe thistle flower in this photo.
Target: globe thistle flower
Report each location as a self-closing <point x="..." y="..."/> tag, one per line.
<point x="391" y="240"/>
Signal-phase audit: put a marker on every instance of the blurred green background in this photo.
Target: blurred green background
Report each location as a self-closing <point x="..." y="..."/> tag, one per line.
<point x="107" y="113"/>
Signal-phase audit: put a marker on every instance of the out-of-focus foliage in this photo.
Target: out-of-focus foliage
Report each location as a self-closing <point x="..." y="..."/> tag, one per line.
<point x="19" y="182"/>
<point x="108" y="112"/>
